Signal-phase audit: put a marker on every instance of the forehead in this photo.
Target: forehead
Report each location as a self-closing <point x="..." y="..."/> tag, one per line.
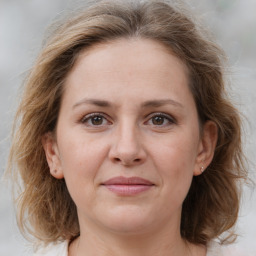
<point x="136" y="50"/>
<point x="129" y="66"/>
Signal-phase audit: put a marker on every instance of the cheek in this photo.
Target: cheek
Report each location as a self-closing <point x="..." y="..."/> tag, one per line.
<point x="81" y="159"/>
<point x="175" y="159"/>
<point x="176" y="165"/>
<point x="80" y="153"/>
<point x="177" y="152"/>
<point x="79" y="166"/>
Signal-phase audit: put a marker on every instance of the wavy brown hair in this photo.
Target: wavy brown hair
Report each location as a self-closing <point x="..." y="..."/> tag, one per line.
<point x="45" y="208"/>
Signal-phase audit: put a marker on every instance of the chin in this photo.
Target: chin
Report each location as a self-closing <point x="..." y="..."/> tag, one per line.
<point x="127" y="220"/>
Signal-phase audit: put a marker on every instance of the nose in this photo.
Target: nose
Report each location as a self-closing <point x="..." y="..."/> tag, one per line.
<point x="127" y="148"/>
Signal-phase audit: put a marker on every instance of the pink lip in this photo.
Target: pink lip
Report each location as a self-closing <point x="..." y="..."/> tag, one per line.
<point x="128" y="186"/>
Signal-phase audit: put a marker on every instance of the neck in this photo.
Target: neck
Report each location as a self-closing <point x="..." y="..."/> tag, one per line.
<point x="158" y="243"/>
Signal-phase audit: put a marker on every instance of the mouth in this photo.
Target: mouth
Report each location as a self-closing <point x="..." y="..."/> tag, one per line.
<point x="128" y="186"/>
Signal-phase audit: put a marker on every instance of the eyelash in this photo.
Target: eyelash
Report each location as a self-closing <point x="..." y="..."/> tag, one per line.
<point x="170" y="120"/>
<point x="88" y="118"/>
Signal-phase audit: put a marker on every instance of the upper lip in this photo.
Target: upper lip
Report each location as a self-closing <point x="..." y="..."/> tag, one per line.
<point x="128" y="181"/>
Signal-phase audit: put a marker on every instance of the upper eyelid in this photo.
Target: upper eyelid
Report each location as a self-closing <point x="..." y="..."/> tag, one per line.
<point x="88" y="116"/>
<point x="168" y="116"/>
<point x="107" y="117"/>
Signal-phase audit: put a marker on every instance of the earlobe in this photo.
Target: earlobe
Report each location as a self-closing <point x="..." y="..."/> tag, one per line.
<point x="207" y="147"/>
<point x="52" y="155"/>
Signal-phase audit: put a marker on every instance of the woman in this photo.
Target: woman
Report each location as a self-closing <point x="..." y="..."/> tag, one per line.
<point x="125" y="142"/>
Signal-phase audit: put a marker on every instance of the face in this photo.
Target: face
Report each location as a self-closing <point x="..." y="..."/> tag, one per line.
<point x="127" y="139"/>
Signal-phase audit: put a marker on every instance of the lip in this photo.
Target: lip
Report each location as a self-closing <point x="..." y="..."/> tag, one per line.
<point x="128" y="186"/>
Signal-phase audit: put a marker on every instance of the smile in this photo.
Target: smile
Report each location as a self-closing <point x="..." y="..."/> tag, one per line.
<point x="128" y="186"/>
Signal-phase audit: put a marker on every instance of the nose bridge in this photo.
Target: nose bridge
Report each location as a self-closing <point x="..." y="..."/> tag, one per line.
<point x="128" y="137"/>
<point x="127" y="147"/>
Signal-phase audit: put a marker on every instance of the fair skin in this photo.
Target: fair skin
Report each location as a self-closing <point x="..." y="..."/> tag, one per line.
<point x="127" y="111"/>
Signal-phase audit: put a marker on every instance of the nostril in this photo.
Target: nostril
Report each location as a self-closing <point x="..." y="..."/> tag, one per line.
<point x="127" y="161"/>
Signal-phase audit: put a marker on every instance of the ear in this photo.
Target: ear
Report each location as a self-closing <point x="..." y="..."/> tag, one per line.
<point x="206" y="147"/>
<point x="52" y="155"/>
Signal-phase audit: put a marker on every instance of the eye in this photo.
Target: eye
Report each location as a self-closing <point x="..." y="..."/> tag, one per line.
<point x="160" y="119"/>
<point x="95" y="119"/>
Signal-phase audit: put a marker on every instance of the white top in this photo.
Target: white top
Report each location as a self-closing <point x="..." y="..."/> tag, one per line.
<point x="61" y="249"/>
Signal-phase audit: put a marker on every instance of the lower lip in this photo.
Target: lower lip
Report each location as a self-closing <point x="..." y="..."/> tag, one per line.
<point x="128" y="190"/>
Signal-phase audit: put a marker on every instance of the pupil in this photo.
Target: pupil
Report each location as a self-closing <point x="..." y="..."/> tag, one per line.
<point x="97" y="120"/>
<point x="158" y="120"/>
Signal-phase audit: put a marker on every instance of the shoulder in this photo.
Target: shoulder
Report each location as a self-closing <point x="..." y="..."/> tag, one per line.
<point x="57" y="249"/>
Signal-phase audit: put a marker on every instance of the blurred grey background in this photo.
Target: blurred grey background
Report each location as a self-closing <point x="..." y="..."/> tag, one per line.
<point x="22" y="26"/>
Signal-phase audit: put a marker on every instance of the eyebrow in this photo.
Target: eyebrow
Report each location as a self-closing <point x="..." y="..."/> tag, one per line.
<point x="96" y="102"/>
<point x="162" y="102"/>
<point x="146" y="104"/>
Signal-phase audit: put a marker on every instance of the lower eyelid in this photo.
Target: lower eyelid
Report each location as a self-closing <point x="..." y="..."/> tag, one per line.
<point x="171" y="120"/>
<point x="86" y="119"/>
<point x="167" y="117"/>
